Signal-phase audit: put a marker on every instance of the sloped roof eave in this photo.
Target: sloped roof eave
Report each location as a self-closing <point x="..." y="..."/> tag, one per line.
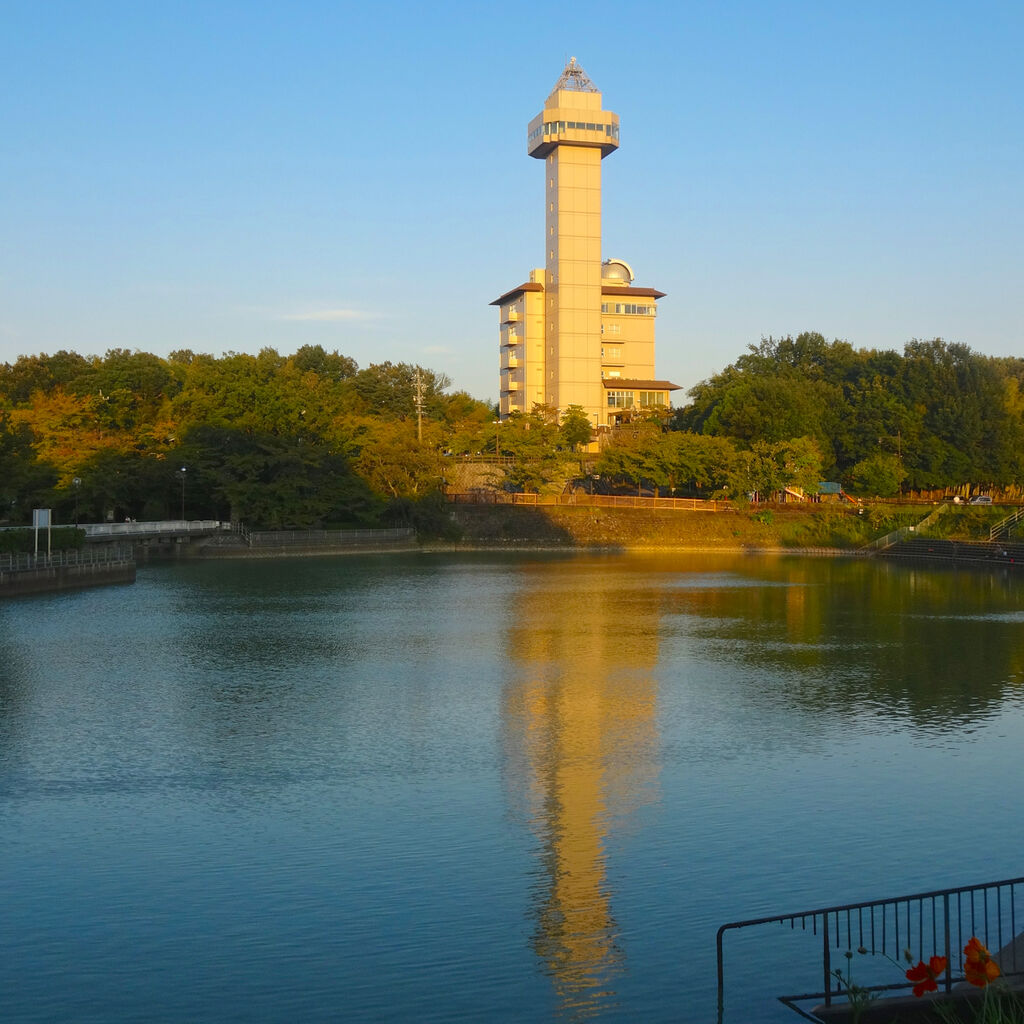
<point x="631" y="384"/>
<point x="641" y="293"/>
<point x="529" y="286"/>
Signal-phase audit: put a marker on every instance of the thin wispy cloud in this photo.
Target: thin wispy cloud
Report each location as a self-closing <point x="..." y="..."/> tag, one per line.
<point x="342" y="315"/>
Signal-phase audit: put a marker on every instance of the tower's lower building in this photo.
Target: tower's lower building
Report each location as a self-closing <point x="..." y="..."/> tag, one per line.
<point x="577" y="332"/>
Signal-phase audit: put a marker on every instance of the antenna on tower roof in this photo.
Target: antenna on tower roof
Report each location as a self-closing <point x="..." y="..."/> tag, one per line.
<point x="575" y="78"/>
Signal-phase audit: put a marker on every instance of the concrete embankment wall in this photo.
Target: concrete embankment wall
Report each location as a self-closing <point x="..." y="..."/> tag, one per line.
<point x="586" y="526"/>
<point x="64" y="577"/>
<point x="306" y="543"/>
<point x="794" y="531"/>
<point x="298" y="551"/>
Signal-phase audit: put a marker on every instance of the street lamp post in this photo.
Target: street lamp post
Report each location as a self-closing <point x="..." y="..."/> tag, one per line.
<point x="76" y="483"/>
<point x="182" y="473"/>
<point x="497" y="439"/>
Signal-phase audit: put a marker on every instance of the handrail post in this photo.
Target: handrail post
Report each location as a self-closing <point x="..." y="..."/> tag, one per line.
<point x="949" y="958"/>
<point x="827" y="959"/>
<point x="721" y="976"/>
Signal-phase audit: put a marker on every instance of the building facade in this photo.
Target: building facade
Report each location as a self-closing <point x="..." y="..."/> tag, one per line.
<point x="577" y="332"/>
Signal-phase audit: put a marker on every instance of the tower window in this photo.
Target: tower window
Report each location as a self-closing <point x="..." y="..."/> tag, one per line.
<point x="627" y="308"/>
<point x="649" y="398"/>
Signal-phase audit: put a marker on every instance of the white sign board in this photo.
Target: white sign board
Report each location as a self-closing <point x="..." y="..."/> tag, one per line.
<point x="41" y="520"/>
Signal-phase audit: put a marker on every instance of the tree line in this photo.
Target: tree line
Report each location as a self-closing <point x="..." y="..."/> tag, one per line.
<point x="276" y="441"/>
<point x="791" y="412"/>
<point x="937" y="416"/>
<point x="312" y="439"/>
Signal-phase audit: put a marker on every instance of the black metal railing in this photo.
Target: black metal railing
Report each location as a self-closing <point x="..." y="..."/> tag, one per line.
<point x="929" y="923"/>
<point x="19" y="562"/>
<point x="326" y="538"/>
<point x="1004" y="528"/>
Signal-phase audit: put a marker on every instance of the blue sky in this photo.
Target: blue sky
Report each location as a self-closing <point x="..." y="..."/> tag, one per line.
<point x="228" y="176"/>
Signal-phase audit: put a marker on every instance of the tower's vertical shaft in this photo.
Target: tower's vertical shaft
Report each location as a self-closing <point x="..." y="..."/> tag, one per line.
<point x="572" y="134"/>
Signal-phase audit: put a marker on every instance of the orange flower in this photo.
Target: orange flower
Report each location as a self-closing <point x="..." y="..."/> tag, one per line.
<point x="925" y="975"/>
<point x="980" y="968"/>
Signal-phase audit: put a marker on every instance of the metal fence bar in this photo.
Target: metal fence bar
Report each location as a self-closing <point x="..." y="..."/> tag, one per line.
<point x="827" y="961"/>
<point x="321" y="538"/>
<point x="1004" y="526"/>
<point x="915" y="915"/>
<point x="20" y="562"/>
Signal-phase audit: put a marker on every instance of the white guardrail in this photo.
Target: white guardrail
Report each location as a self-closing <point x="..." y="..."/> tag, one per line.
<point x="159" y="527"/>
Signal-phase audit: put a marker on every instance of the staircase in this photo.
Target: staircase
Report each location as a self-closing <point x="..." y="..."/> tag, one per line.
<point x="1005" y="526"/>
<point x="880" y="544"/>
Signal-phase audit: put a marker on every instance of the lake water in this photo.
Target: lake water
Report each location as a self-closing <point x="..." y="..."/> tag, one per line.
<point x="486" y="787"/>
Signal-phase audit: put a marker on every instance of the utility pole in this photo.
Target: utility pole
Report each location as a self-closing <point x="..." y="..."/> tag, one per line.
<point x="419" y="406"/>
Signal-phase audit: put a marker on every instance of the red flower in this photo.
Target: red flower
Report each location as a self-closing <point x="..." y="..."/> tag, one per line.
<point x="925" y="975"/>
<point x="980" y="968"/>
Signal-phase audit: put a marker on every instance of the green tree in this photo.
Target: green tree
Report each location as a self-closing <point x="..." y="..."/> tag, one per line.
<point x="637" y="453"/>
<point x="272" y="481"/>
<point x="27" y="375"/>
<point x="124" y="484"/>
<point x="389" y="389"/>
<point x="767" y="468"/>
<point x="879" y="475"/>
<point x="531" y="441"/>
<point x="395" y="464"/>
<point x="25" y="481"/>
<point x="576" y="428"/>
<point x="326" y="365"/>
<point x="698" y="465"/>
<point x="801" y="462"/>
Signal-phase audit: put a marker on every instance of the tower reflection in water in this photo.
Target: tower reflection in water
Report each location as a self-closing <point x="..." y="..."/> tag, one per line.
<point x="581" y="746"/>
